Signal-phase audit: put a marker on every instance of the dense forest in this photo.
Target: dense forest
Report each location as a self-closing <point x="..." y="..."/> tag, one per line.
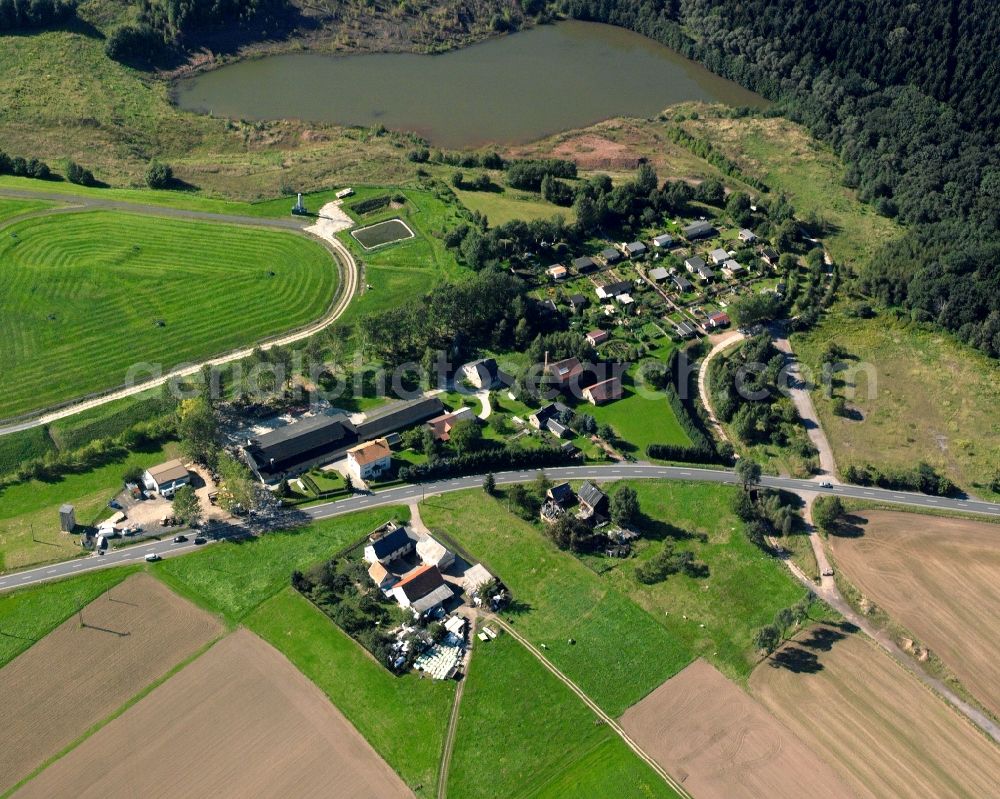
<point x="909" y="96"/>
<point x="16" y="15"/>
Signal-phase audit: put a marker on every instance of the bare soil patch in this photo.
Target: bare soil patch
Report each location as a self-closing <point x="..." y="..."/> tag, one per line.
<point x="240" y="721"/>
<point x="721" y="744"/>
<point x="78" y="675"/>
<point x="940" y="578"/>
<point x="886" y="733"/>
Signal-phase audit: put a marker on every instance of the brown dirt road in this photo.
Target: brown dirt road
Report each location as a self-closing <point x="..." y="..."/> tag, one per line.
<point x="940" y="578"/>
<point x="240" y="721"/>
<point x="77" y="676"/>
<point x="887" y="735"/>
<point x="724" y="745"/>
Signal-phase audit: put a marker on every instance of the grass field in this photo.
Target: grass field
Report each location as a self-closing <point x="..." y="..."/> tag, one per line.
<point x="934" y="399"/>
<point x="620" y="652"/>
<point x="12" y="208"/>
<point x="234" y="577"/>
<point x="403" y="718"/>
<point x="28" y="615"/>
<point x="939" y="578"/>
<point x="500" y="207"/>
<point x="243" y="722"/>
<point x="81" y="297"/>
<point x="406" y="269"/>
<point x="29" y="512"/>
<point x="130" y="637"/>
<point x="885" y="733"/>
<point x="726" y="746"/>
<point x="555" y="747"/>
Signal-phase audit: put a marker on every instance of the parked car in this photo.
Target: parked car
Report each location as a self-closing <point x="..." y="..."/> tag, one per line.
<point x="152" y="557"/>
<point x="180" y="539"/>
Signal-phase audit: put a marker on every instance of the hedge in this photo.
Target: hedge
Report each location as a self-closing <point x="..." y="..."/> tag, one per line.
<point x="490" y="460"/>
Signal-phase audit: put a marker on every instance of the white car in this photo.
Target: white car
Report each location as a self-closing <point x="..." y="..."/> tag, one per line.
<point x="152" y="557"/>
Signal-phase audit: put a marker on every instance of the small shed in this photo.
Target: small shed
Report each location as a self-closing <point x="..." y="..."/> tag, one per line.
<point x="67" y="518"/>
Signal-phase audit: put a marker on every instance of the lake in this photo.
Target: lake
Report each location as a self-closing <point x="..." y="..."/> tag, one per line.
<point x="507" y="90"/>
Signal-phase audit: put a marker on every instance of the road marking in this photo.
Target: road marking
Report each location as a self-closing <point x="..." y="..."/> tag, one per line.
<point x="51" y="571"/>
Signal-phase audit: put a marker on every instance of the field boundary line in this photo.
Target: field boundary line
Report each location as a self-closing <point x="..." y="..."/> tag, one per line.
<point x="617" y="728"/>
<point x="449" y="736"/>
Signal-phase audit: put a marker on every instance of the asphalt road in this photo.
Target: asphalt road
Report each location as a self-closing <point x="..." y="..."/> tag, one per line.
<point x="408" y="493"/>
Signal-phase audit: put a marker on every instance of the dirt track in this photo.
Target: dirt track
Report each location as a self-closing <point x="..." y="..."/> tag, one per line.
<point x="239" y="722"/>
<point x="888" y="735"/>
<point x="723" y="745"/>
<point x="940" y="578"/>
<point x="76" y="676"/>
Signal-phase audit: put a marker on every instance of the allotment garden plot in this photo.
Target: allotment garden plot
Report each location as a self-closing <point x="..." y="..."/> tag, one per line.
<point x="382" y="233"/>
<point x="85" y="296"/>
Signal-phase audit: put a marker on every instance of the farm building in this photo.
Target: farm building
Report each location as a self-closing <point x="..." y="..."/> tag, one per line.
<point x="659" y="274"/>
<point x="299" y="445"/>
<point x="698" y="230"/>
<point x="563" y="372"/>
<point x="484" y="373"/>
<point x="605" y="391"/>
<point x="166" y="478"/>
<point x="584" y="265"/>
<point x="595" y="337"/>
<point x="67" y="518"/>
<point x="381" y="576"/>
<point x="433" y="553"/>
<point x="557" y="272"/>
<point x="398" y="416"/>
<point x="634" y="249"/>
<point x="719" y="256"/>
<point x="663" y="240"/>
<point x="474" y="577"/>
<point x="371" y="459"/>
<point x="422" y="589"/>
<point x="441" y="426"/>
<point x="387" y="543"/>
<point x="611" y="256"/>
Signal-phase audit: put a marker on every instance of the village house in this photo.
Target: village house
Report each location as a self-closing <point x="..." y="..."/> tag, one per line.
<point x="611" y="256"/>
<point x="717" y="320"/>
<point x="605" y="391"/>
<point x="595" y="337"/>
<point x="557" y="272"/>
<point x="593" y="501"/>
<point x="371" y="459"/>
<point x="553" y="410"/>
<point x="166" y="478"/>
<point x="561" y="494"/>
<point x="441" y="426"/>
<point x="483" y="374"/>
<point x="698" y="230"/>
<point x="719" y="256"/>
<point x="663" y="240"/>
<point x="747" y="236"/>
<point x="584" y="265"/>
<point x="422" y="590"/>
<point x="563" y="373"/>
<point x="388" y="543"/>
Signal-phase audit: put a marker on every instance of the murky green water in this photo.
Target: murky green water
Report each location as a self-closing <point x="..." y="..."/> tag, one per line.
<point x="508" y="90"/>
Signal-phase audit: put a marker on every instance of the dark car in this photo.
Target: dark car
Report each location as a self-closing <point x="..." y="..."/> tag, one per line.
<point x="200" y="539"/>
<point x="180" y="539"/>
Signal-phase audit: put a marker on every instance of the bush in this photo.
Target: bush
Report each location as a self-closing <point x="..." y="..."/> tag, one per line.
<point x="78" y="175"/>
<point x="922" y="478"/>
<point x="137" y="45"/>
<point x="159" y="175"/>
<point x="490" y="460"/>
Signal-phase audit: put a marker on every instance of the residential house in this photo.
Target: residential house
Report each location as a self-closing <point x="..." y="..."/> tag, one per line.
<point x="717" y="320"/>
<point x="605" y="391"/>
<point x="694" y="263"/>
<point x="388" y="543"/>
<point x="681" y="283"/>
<point x="561" y="494"/>
<point x="698" y="230"/>
<point x="433" y="553"/>
<point x="381" y="576"/>
<point x="593" y="501"/>
<point x="563" y="373"/>
<point x="483" y="374"/>
<point x="611" y="256"/>
<point x="546" y="412"/>
<point x="557" y="272"/>
<point x="577" y="302"/>
<point x="659" y="274"/>
<point x="584" y="265"/>
<point x="635" y="249"/>
<point x="422" y="590"/>
<point x="732" y="268"/>
<point x="770" y="256"/>
<point x="557" y="428"/>
<point x="166" y="478"/>
<point x="663" y="240"/>
<point x="595" y="337"/>
<point x="719" y="256"/>
<point x="441" y="426"/>
<point x="368" y="460"/>
<point x="747" y="236"/>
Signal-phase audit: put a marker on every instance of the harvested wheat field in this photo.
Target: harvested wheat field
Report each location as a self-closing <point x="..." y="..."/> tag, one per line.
<point x="887" y="734"/>
<point x="78" y="675"/>
<point x="721" y="744"/>
<point x="940" y="578"/>
<point x="239" y="721"/>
